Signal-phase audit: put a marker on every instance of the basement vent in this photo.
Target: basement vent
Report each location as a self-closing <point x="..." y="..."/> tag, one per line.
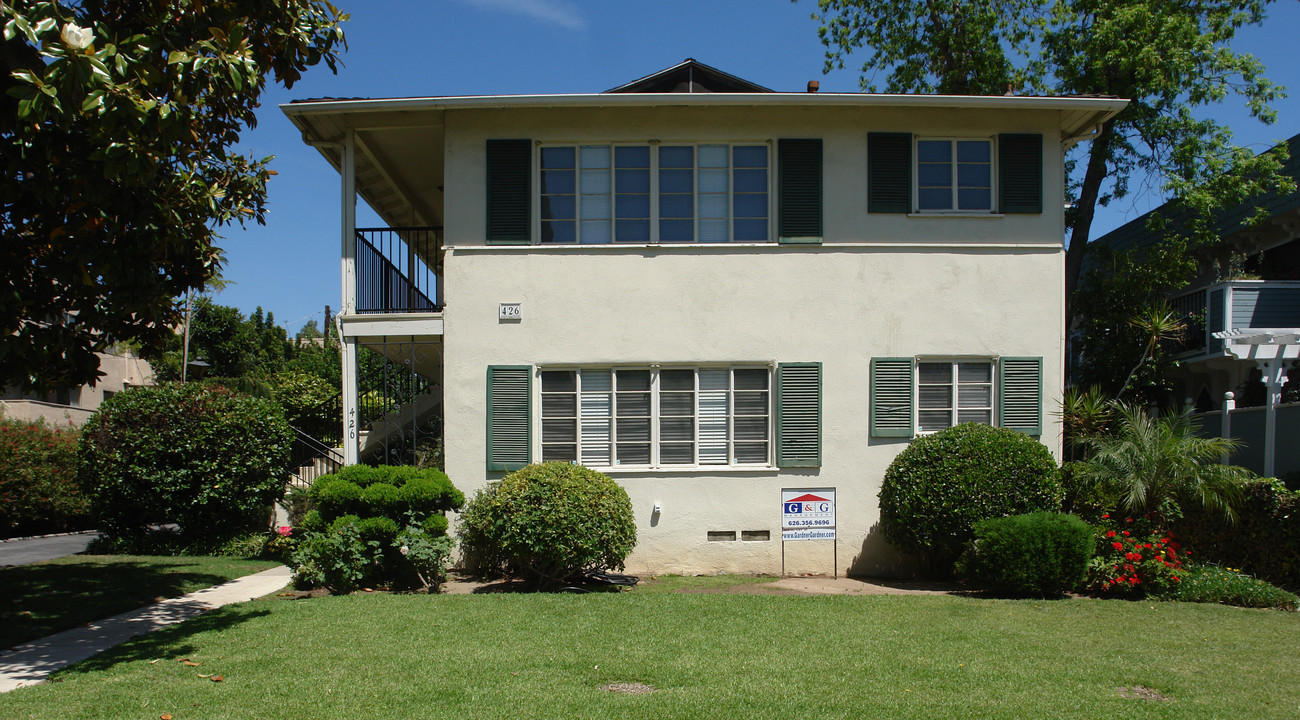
<point x="756" y="535"/>
<point x="722" y="536"/>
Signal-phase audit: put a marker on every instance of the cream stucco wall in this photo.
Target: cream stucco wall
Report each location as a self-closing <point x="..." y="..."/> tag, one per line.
<point x="881" y="285"/>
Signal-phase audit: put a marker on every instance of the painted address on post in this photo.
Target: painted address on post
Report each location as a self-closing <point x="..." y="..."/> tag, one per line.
<point x="808" y="514"/>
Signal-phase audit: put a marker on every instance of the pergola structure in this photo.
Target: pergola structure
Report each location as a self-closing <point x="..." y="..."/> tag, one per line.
<point x="1273" y="349"/>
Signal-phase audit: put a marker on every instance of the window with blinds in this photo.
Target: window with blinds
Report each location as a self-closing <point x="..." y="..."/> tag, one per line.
<point x="706" y="193"/>
<point x="603" y="417"/>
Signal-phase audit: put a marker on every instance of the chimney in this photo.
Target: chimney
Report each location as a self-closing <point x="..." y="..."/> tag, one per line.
<point x="813" y="85"/>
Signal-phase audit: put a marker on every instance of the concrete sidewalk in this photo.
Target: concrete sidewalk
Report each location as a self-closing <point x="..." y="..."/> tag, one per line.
<point x="31" y="663"/>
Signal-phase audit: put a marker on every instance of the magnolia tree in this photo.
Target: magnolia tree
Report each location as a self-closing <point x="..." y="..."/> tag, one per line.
<point x="116" y="132"/>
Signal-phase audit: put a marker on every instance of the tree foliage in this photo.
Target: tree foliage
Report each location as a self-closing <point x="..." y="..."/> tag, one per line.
<point x="115" y="137"/>
<point x="1117" y="354"/>
<point x="1168" y="59"/>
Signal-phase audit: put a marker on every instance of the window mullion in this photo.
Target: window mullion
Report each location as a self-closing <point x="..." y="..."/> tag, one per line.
<point x="731" y="194"/>
<point x="654" y="417"/>
<point x="654" y="193"/>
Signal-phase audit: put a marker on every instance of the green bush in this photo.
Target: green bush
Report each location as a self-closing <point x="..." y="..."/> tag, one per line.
<point x="942" y="484"/>
<point x="1134" y="558"/>
<point x="428" y="555"/>
<point x="547" y="523"/>
<point x="171" y="543"/>
<point x="382" y="499"/>
<point x="337" y="560"/>
<point x="386" y="508"/>
<point x="1264" y="541"/>
<point x="1213" y="584"/>
<point x="403" y="493"/>
<point x="38" y="479"/>
<point x="1036" y="554"/>
<point x="202" y="456"/>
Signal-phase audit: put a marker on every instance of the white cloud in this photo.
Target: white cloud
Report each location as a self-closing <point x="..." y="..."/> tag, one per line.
<point x="557" y="12"/>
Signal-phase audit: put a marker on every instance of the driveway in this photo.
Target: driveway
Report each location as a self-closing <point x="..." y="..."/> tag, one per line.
<point x="34" y="550"/>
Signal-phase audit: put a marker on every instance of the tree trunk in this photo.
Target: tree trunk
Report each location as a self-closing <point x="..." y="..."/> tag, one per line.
<point x="1087" y="207"/>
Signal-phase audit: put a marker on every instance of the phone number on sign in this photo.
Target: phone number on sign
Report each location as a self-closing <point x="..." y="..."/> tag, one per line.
<point x="825" y="522"/>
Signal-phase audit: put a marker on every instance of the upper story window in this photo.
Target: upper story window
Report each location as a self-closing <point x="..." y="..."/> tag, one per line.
<point x="708" y="193"/>
<point x="954" y="175"/>
<point x="1002" y="175"/>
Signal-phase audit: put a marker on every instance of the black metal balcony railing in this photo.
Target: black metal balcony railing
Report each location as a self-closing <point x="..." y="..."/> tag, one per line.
<point x="1191" y="309"/>
<point x="391" y="275"/>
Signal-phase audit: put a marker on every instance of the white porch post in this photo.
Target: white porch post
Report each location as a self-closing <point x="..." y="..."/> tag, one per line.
<point x="1274" y="371"/>
<point x="1225" y="422"/>
<point x="349" y="345"/>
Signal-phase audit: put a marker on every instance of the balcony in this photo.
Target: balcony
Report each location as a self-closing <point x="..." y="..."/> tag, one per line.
<point x="1236" y="304"/>
<point x="393" y="271"/>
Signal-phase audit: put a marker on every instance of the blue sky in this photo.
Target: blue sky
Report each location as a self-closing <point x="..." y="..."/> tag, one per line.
<point x="402" y="48"/>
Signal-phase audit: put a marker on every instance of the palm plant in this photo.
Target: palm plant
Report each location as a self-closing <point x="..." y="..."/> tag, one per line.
<point x="1155" y="464"/>
<point x="1158" y="324"/>
<point x="1086" y="413"/>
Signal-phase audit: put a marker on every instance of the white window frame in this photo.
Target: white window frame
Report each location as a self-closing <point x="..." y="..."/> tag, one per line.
<point x="955" y="407"/>
<point x="654" y="145"/>
<point x="953" y="187"/>
<point x="656" y="416"/>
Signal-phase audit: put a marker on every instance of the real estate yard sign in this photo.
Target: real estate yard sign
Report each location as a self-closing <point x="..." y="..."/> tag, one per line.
<point x="808" y="514"/>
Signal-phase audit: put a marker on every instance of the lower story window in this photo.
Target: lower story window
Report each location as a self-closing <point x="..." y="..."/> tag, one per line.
<point x="953" y="392"/>
<point x="657" y="416"/>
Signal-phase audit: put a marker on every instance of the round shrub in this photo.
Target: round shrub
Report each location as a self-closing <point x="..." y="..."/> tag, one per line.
<point x="335" y="496"/>
<point x="430" y="492"/>
<point x="942" y="484"/>
<point x="547" y="523"/>
<point x="379" y="529"/>
<point x="202" y="456"/>
<point x="1036" y="554"/>
<point x="381" y="499"/>
<point x="435" y="525"/>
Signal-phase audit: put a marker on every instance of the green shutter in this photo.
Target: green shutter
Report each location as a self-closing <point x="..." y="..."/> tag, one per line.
<point x="1020" y="178"/>
<point x="799" y="415"/>
<point x="889" y="172"/>
<point x="799" y="179"/>
<point x="1020" y="390"/>
<point x="509" y="191"/>
<point x="892" y="393"/>
<point x="509" y="415"/>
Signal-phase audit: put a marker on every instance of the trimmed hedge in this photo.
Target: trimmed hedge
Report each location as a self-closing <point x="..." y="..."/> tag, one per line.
<point x="1265" y="540"/>
<point x="38" y="479"/>
<point x="1036" y="554"/>
<point x="200" y="455"/>
<point x="375" y="526"/>
<point x="942" y="484"/>
<point x="547" y="523"/>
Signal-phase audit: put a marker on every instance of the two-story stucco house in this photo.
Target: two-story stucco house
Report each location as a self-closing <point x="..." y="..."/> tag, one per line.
<point x="708" y="290"/>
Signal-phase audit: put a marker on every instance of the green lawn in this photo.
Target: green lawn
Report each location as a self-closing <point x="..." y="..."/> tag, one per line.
<point x="37" y="600"/>
<point x="708" y="655"/>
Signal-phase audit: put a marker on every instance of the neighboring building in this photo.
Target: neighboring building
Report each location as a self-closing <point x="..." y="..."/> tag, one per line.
<point x="122" y="369"/>
<point x="1243" y="315"/>
<point x="710" y="291"/>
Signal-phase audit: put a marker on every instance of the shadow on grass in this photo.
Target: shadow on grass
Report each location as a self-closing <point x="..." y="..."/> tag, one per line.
<point x="39" y="600"/>
<point x="169" y="643"/>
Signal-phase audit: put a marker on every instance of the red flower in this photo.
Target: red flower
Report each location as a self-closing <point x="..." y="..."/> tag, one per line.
<point x="1147" y="546"/>
<point x="1134" y="580"/>
<point x="1176" y="579"/>
<point x="1110" y="533"/>
<point x="1117" y="545"/>
<point x="1106" y="516"/>
<point x="1126" y="533"/>
<point x="1128" y="520"/>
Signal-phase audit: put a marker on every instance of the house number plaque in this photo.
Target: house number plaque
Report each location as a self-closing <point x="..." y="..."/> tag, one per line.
<point x="510" y="312"/>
